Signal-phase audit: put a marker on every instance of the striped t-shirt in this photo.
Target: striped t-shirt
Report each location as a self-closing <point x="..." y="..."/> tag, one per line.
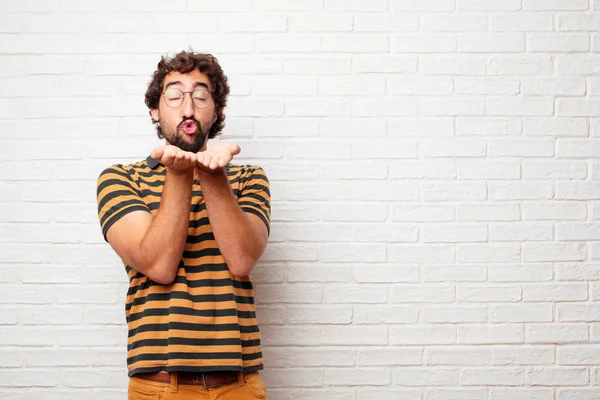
<point x="205" y="320"/>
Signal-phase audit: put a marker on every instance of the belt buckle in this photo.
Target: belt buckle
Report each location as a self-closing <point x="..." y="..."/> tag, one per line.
<point x="206" y="385"/>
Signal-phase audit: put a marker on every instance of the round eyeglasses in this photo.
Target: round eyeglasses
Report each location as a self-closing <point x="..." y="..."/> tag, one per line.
<point x="201" y="98"/>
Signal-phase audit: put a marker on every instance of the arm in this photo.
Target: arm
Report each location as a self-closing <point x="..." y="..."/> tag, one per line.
<point x="153" y="245"/>
<point x="240" y="236"/>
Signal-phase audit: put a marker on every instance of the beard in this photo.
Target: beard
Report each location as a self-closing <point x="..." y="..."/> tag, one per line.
<point x="176" y="137"/>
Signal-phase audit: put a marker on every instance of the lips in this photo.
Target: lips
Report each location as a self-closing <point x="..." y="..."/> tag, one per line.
<point x="189" y="127"/>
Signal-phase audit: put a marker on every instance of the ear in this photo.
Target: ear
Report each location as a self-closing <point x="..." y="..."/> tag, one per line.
<point x="154" y="115"/>
<point x="214" y="118"/>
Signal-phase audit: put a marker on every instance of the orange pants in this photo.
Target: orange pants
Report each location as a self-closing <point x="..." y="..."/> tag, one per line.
<point x="248" y="387"/>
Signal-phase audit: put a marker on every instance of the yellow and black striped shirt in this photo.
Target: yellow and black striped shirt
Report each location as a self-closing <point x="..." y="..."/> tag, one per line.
<point x="205" y="320"/>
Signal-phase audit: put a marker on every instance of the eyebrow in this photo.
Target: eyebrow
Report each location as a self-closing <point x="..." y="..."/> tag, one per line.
<point x="197" y="84"/>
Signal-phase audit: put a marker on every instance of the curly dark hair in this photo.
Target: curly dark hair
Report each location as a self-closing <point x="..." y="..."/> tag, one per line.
<point x="185" y="62"/>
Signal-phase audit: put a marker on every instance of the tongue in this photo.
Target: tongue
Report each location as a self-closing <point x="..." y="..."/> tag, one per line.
<point x="189" y="128"/>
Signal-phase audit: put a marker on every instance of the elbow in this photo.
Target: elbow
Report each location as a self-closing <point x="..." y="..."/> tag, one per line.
<point x="159" y="274"/>
<point x="242" y="267"/>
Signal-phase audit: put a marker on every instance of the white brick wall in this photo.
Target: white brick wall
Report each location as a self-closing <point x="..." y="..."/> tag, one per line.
<point x="435" y="181"/>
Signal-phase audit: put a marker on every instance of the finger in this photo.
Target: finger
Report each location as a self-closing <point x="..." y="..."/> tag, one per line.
<point x="207" y="160"/>
<point x="234" y="149"/>
<point x="157" y="152"/>
<point x="223" y="160"/>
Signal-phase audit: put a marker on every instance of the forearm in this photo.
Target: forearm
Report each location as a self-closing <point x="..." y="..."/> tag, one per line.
<point x="238" y="241"/>
<point x="161" y="248"/>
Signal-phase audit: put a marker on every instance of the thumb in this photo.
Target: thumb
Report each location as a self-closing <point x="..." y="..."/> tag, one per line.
<point x="157" y="152"/>
<point x="234" y="149"/>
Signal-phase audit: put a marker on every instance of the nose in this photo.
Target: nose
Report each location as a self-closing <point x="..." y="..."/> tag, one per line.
<point x="187" y="107"/>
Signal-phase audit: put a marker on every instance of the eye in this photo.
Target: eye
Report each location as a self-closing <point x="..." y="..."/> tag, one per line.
<point x="201" y="95"/>
<point x="173" y="94"/>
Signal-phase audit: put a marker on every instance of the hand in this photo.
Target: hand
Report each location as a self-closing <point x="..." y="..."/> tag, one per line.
<point x="214" y="159"/>
<point x="176" y="160"/>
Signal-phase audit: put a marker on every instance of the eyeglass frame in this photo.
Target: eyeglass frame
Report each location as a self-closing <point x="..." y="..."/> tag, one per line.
<point x="191" y="97"/>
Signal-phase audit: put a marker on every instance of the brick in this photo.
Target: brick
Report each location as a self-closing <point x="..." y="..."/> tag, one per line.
<point x="288" y="5"/>
<point x="559" y="210"/>
<point x="454" y="23"/>
<point x="578" y="355"/>
<point x="413" y="86"/>
<point x="521" y="22"/>
<point x="434" y="334"/>
<point x="555" y="5"/>
<point x="577" y="272"/>
<point x="578" y="22"/>
<point x="578" y="65"/>
<point x="476" y="169"/>
<point x="286" y="43"/>
<point x="357" y="377"/>
<point x="392" y="356"/>
<point x="554" y="87"/>
<point x="408" y="376"/>
<point x="488" y="126"/>
<point x="523" y="355"/>
<point x="577" y="312"/>
<point x="578" y="107"/>
<point x="355" y="43"/>
<point x="423" y="43"/>
<point x="521" y="232"/>
<point x="452" y="65"/>
<point x="485" y="293"/>
<point x="455" y="191"/>
<point x="352" y="252"/>
<point x="558" y="43"/>
<point x="492" y="377"/>
<point x="556" y="333"/>
<point x="520" y="393"/>
<point x="523" y="65"/>
<point x="355" y="5"/>
<point x="381" y="274"/>
<point x="370" y="314"/>
<point x="383" y="106"/>
<point x="319" y="315"/>
<point x="554" y="169"/>
<point x="352" y="127"/>
<point x="453" y="233"/>
<point x="457" y="355"/>
<point x="431" y="253"/>
<point x="426" y="5"/>
<point x="521" y="313"/>
<point x="455" y="147"/>
<point x="380" y="22"/>
<point x="394" y="233"/>
<point x="454" y="314"/>
<point x="491" y="42"/>
<point x="354" y="294"/>
<point x="493" y="86"/>
<point x="278" y="293"/>
<point x="490" y="334"/>
<point x="488" y="5"/>
<point x="456" y="273"/>
<point x="487" y="253"/>
<point x="425" y="294"/>
<point x="389" y="63"/>
<point x="577" y="190"/>
<point x="523" y="190"/>
<point x="558" y="376"/>
<point x="423" y="169"/>
<point x="317" y="273"/>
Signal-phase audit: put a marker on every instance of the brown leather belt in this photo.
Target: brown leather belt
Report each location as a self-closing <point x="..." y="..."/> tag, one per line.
<point x="206" y="379"/>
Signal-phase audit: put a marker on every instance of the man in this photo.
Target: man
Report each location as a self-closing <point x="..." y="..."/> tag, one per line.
<point x="189" y="227"/>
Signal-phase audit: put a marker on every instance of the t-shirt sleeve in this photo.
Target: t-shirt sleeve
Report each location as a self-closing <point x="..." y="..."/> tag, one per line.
<point x="117" y="195"/>
<point x="255" y="196"/>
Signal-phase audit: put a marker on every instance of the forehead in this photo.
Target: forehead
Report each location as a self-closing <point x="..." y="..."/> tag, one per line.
<point x="187" y="80"/>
